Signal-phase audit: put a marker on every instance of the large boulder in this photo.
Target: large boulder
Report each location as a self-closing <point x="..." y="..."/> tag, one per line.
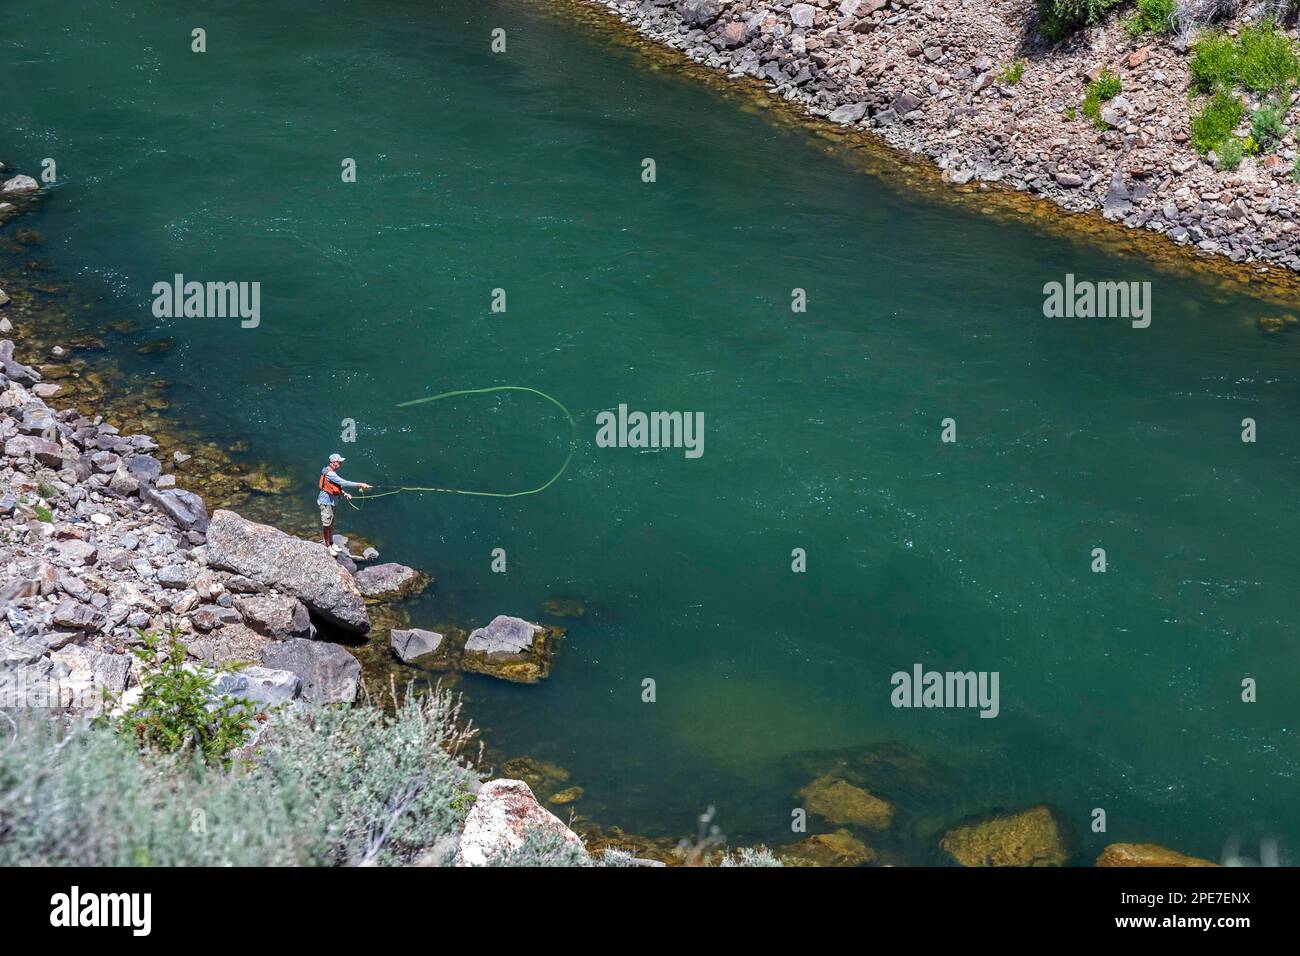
<point x="512" y="649"/>
<point x="303" y="569"/>
<point x="1146" y="854"/>
<point x="390" y="581"/>
<point x="46" y="452"/>
<point x="1032" y="838"/>
<point x="503" y="813"/>
<point x="329" y="673"/>
<point x="185" y="508"/>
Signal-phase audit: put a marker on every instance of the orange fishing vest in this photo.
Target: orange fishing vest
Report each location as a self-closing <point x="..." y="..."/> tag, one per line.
<point x="328" y="486"/>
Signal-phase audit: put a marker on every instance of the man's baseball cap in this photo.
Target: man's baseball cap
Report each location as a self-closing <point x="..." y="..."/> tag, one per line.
<point x="337" y="457"/>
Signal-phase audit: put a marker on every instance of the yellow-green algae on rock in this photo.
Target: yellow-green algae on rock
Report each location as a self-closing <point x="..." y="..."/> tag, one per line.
<point x="1031" y="838"/>
<point x="1146" y="854"/>
<point x="840" y="848"/>
<point x="837" y="801"/>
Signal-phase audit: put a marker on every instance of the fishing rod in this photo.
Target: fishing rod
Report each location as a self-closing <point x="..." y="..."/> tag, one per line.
<point x="573" y="446"/>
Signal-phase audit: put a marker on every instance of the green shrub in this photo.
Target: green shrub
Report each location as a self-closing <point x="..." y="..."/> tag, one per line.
<point x="1060" y="18"/>
<point x="1268" y="59"/>
<point x="1106" y="87"/>
<point x="1152" y="16"/>
<point x="1012" y="73"/>
<point x="1261" y="59"/>
<point x="43" y="514"/>
<point x="1230" y="154"/>
<point x="1216" y="122"/>
<point x="178" y="711"/>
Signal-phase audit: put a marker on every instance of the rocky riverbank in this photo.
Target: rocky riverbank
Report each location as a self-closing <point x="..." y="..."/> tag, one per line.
<point x="973" y="87"/>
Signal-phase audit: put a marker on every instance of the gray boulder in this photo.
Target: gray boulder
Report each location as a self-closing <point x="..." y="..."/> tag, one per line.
<point x="412" y="644"/>
<point x="699" y="12"/>
<point x="46" y="452"/>
<point x="848" y="113"/>
<point x="260" y="685"/>
<point x="184" y="507"/>
<point x="20" y="184"/>
<point x="144" y="468"/>
<point x="280" y="616"/>
<point x="173" y="576"/>
<point x="303" y="569"/>
<point x="329" y="673"/>
<point x="512" y="649"/>
<point x="389" y="581"/>
<point x="75" y="614"/>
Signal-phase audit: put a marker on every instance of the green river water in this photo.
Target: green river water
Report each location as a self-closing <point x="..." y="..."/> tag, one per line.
<point x="522" y="171"/>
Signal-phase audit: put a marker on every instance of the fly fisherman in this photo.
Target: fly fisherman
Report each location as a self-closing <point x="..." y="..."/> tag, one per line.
<point x="331" y="486"/>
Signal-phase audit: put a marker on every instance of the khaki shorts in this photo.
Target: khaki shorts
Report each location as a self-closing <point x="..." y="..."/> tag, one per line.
<point x="327" y="516"/>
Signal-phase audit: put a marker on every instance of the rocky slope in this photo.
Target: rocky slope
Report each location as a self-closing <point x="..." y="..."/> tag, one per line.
<point x="931" y="77"/>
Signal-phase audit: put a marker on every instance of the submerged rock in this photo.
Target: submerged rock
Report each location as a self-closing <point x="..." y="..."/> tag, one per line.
<point x="329" y="673"/>
<point x="512" y="649"/>
<point x="503" y="814"/>
<point x="564" y="607"/>
<point x="543" y="776"/>
<point x="1031" y="838"/>
<point x="909" y="780"/>
<point x="303" y="569"/>
<point x="1146" y="854"/>
<point x="836" y="800"/>
<point x="840" y="848"/>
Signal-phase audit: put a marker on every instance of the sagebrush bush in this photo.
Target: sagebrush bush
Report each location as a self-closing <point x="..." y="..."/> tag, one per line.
<point x="328" y="786"/>
<point x="751" y="856"/>
<point x="1230" y="154"/>
<point x="1268" y="124"/>
<point x="323" y="786"/>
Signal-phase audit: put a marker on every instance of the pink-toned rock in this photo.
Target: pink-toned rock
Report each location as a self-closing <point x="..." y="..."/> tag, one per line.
<point x="503" y="813"/>
<point x="1137" y="57"/>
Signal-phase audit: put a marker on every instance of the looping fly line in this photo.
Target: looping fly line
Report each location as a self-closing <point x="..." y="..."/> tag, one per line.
<point x="573" y="444"/>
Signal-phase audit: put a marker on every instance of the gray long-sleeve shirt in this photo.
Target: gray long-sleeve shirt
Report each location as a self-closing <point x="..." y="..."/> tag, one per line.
<point x="325" y="498"/>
